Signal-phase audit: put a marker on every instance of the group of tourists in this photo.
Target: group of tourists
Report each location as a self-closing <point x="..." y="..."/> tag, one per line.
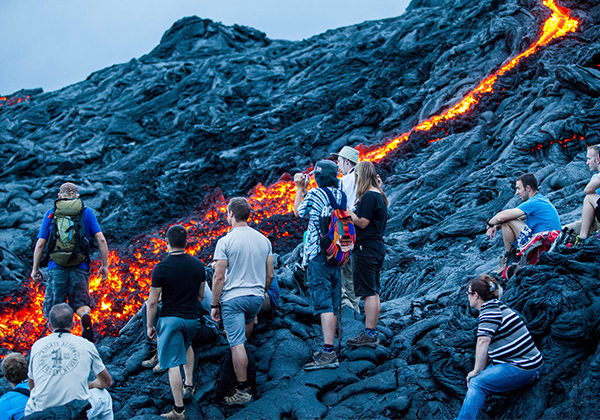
<point x="182" y="307"/>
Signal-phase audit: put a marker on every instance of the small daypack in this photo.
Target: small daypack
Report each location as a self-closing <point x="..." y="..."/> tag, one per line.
<point x="68" y="245"/>
<point x="227" y="380"/>
<point x="337" y="232"/>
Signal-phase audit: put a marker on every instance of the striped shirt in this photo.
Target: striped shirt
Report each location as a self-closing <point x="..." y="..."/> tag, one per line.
<point x="316" y="205"/>
<point x="511" y="342"/>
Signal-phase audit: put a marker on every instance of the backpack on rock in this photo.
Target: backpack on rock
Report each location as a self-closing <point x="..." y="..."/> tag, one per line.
<point x="338" y="232"/>
<point x="68" y="245"/>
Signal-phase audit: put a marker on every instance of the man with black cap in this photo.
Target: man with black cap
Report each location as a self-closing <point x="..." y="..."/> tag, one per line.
<point x="323" y="279"/>
<point x="347" y="159"/>
<point x="66" y="230"/>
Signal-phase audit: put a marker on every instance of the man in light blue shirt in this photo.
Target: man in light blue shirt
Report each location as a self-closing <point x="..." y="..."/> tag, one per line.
<point x="592" y="193"/>
<point x="536" y="214"/>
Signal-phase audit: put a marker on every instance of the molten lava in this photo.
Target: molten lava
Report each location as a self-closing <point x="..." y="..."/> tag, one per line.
<point x="122" y="294"/>
<point x="12" y="101"/>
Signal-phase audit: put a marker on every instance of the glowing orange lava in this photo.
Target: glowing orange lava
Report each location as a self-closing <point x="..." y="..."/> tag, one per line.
<point x="12" y="101"/>
<point x="122" y="294"/>
<point x="558" y="25"/>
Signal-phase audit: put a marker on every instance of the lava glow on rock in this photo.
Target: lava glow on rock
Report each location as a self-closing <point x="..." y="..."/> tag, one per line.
<point x="6" y="101"/>
<point x="122" y="294"/>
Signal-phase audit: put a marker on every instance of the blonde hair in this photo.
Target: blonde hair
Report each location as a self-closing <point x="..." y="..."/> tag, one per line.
<point x="366" y="177"/>
<point x="594" y="147"/>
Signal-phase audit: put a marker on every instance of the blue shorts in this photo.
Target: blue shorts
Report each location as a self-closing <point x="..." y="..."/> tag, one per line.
<point x="273" y="293"/>
<point x="238" y="312"/>
<point x="67" y="284"/>
<point x="324" y="284"/>
<point x="175" y="336"/>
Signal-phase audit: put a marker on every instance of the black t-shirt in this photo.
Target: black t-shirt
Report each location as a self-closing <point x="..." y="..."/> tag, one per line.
<point x="372" y="207"/>
<point x="180" y="277"/>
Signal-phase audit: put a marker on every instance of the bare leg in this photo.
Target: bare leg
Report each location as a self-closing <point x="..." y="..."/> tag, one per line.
<point x="249" y="327"/>
<point x="188" y="368"/>
<point x="372" y="310"/>
<point x="176" y="385"/>
<point x="82" y="310"/>
<point x="240" y="362"/>
<point x="510" y="232"/>
<point x="588" y="214"/>
<point x="328" y="324"/>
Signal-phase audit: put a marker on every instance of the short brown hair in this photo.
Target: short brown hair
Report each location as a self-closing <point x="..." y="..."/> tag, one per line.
<point x="486" y="287"/>
<point x="240" y="207"/>
<point x="14" y="368"/>
<point x="528" y="180"/>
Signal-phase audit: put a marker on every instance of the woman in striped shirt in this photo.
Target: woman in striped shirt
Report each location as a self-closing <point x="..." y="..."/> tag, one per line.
<point x="503" y="337"/>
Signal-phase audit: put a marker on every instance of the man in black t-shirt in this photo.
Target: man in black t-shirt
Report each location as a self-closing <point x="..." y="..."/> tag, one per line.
<point x="179" y="278"/>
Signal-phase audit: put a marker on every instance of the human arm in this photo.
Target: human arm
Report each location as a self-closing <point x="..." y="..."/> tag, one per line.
<point x="151" y="307"/>
<point x="481" y="356"/>
<point x="103" y="248"/>
<point x="37" y="257"/>
<point x="270" y="272"/>
<point x="218" y="283"/>
<point x="30" y="383"/>
<point x="361" y="222"/>
<point x="592" y="186"/>
<point x="502" y="217"/>
<point x="301" y="181"/>
<point x="103" y="380"/>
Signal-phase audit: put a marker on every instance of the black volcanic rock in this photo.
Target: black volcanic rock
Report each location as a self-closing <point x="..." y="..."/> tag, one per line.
<point x="226" y="107"/>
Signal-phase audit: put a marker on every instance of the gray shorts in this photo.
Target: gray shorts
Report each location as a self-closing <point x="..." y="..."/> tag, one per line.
<point x="238" y="312"/>
<point x="175" y="336"/>
<point x="67" y="284"/>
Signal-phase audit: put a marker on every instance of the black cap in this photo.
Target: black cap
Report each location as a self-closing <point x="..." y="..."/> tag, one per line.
<point x="326" y="174"/>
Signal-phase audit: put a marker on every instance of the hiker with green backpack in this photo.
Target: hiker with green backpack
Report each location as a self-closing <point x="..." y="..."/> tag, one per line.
<point x="65" y="237"/>
<point x="329" y="240"/>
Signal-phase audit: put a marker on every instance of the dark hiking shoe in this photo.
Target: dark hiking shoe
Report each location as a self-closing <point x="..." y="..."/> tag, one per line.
<point x="87" y="331"/>
<point x="323" y="360"/>
<point x="363" y="340"/>
<point x="238" y="397"/>
<point x="188" y="392"/>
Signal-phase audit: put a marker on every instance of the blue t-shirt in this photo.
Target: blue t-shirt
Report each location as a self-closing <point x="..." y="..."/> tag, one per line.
<point x="90" y="224"/>
<point x="595" y="176"/>
<point x="12" y="404"/>
<point x="541" y="214"/>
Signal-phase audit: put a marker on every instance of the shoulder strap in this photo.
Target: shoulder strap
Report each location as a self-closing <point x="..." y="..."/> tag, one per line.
<point x="332" y="200"/>
<point x="23" y="391"/>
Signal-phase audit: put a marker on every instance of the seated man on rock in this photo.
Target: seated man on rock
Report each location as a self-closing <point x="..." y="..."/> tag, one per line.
<point x="592" y="190"/>
<point x="60" y="365"/>
<point x="536" y="214"/>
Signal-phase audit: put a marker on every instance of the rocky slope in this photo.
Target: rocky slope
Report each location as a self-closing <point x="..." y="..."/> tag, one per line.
<point x="215" y="106"/>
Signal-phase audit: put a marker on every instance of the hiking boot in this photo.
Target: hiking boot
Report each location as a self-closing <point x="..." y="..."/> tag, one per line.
<point x="363" y="340"/>
<point x="157" y="369"/>
<point x="151" y="362"/>
<point x="323" y="360"/>
<point x="87" y="331"/>
<point x="239" y="397"/>
<point x="578" y="242"/>
<point x="174" y="415"/>
<point x="188" y="392"/>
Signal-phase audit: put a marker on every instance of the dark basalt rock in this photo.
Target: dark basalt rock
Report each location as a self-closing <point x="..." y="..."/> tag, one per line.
<point x="225" y="107"/>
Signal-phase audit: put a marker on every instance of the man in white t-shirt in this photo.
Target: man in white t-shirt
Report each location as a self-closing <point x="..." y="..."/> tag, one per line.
<point x="347" y="159"/>
<point x="243" y="271"/>
<point x="60" y="365"/>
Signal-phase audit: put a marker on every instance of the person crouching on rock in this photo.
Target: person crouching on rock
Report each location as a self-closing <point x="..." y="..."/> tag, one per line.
<point x="323" y="279"/>
<point x="505" y="340"/>
<point x="180" y="279"/>
<point x="370" y="222"/>
<point x="536" y="214"/>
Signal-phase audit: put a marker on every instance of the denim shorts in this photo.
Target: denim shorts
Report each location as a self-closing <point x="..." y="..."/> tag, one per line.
<point x="175" y="336"/>
<point x="238" y="312"/>
<point x="324" y="284"/>
<point x="67" y="284"/>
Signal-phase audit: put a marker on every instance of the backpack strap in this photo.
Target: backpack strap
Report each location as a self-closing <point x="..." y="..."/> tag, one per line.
<point x="332" y="200"/>
<point x="22" y="391"/>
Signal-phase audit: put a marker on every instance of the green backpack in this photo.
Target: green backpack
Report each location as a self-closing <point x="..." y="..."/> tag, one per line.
<point x="68" y="245"/>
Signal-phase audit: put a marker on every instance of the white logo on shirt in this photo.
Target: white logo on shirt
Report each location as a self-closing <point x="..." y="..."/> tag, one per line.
<point x="58" y="358"/>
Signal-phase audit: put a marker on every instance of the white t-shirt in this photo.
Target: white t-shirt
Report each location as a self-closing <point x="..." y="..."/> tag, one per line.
<point x="59" y="366"/>
<point x="348" y="185"/>
<point x="246" y="252"/>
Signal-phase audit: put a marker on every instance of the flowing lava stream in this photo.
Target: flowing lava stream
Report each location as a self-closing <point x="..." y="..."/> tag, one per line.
<point x="122" y="294"/>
